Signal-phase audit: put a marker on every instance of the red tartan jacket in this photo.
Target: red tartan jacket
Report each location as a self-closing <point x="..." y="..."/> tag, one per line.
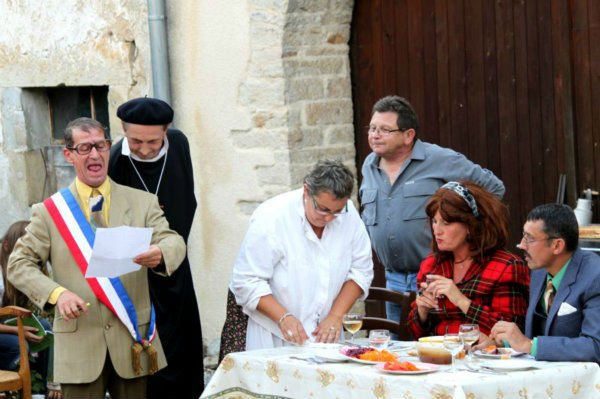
<point x="498" y="288"/>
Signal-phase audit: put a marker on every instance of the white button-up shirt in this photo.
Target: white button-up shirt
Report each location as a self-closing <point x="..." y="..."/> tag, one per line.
<point x="281" y="255"/>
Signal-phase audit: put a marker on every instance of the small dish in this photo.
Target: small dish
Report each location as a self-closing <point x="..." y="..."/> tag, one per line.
<point x="504" y="353"/>
<point x="508" y="365"/>
<point x="424" y="369"/>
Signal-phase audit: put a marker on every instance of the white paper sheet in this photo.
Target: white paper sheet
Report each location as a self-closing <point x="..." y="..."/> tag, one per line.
<point x="114" y="250"/>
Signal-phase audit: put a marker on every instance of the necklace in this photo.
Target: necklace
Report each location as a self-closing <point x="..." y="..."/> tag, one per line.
<point x="457" y="262"/>
<point x="159" y="177"/>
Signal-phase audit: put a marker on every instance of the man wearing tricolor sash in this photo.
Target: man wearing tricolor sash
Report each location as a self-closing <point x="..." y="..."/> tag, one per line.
<point x="105" y="331"/>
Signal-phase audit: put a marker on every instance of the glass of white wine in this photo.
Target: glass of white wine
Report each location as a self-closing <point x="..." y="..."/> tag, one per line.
<point x="453" y="343"/>
<point x="470" y="335"/>
<point x="352" y="323"/>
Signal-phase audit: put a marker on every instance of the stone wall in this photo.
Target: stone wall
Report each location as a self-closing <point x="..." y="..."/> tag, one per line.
<point x="297" y="92"/>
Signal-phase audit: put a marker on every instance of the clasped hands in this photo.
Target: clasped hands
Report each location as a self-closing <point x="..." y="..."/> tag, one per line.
<point x="328" y="330"/>
<point x="436" y="287"/>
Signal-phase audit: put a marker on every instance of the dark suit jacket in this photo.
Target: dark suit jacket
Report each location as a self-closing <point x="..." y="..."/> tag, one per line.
<point x="570" y="335"/>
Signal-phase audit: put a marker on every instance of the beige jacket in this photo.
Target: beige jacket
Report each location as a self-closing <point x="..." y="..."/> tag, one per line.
<point x="81" y="345"/>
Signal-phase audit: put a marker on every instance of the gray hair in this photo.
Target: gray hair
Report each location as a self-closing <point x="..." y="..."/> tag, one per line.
<point x="330" y="176"/>
<point x="85" y="124"/>
<point x="407" y="117"/>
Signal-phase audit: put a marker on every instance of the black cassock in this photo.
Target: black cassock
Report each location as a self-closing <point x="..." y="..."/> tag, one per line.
<point x="173" y="297"/>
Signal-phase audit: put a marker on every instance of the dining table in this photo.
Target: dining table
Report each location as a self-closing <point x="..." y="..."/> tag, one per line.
<point x="322" y="371"/>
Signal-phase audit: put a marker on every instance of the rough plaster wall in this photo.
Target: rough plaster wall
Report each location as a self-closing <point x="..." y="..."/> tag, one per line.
<point x="71" y="42"/>
<point x="208" y="47"/>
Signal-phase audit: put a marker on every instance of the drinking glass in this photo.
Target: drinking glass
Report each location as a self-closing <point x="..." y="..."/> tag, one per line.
<point x="470" y="335"/>
<point x="379" y="339"/>
<point x="453" y="343"/>
<point x="437" y="309"/>
<point x="352" y="323"/>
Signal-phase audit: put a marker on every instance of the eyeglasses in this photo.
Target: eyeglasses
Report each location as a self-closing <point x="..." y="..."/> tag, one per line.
<point x="86" y="148"/>
<point x="528" y="240"/>
<point x="382" y="131"/>
<point x="327" y="212"/>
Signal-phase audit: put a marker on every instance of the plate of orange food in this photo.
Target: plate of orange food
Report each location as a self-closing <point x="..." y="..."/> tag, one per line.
<point x="404" y="368"/>
<point x="368" y="355"/>
<point x="494" y="352"/>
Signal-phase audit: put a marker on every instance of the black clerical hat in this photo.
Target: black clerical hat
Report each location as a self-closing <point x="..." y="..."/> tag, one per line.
<point x="146" y="111"/>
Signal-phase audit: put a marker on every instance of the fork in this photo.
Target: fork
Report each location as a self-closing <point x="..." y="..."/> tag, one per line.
<point x="483" y="369"/>
<point x="310" y="360"/>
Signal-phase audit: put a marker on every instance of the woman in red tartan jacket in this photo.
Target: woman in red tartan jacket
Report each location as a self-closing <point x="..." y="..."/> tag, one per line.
<point x="469" y="277"/>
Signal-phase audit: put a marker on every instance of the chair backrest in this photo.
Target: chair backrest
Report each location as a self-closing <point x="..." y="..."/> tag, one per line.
<point x="21" y="380"/>
<point x="404" y="299"/>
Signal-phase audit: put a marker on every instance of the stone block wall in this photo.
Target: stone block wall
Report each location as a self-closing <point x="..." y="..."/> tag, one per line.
<point x="297" y="93"/>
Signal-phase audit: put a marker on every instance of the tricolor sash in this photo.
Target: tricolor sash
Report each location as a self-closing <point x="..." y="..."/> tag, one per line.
<point x="78" y="235"/>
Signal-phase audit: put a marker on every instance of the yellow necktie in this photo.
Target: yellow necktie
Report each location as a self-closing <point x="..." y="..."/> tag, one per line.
<point x="549" y="295"/>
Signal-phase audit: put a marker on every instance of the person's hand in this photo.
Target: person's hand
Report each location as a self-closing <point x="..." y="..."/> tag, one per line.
<point x="425" y="302"/>
<point x="54" y="394"/>
<point x="504" y="330"/>
<point x="70" y="306"/>
<point x="441" y="285"/>
<point x="292" y="330"/>
<point x="31" y="336"/>
<point x="329" y="329"/>
<point x="150" y="258"/>
<point x="483" y="342"/>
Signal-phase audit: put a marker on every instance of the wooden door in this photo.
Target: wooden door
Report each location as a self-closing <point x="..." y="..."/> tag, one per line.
<point x="513" y="85"/>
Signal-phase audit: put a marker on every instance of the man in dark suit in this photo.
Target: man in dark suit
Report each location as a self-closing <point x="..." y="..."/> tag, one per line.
<point x="563" y="319"/>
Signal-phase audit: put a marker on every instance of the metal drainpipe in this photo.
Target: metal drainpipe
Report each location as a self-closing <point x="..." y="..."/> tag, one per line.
<point x="157" y="23"/>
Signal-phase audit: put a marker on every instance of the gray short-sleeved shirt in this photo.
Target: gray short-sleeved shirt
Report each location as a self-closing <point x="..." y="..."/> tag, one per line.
<point x="395" y="215"/>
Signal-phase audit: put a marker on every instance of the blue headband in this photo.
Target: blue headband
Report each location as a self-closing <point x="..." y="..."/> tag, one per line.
<point x="464" y="194"/>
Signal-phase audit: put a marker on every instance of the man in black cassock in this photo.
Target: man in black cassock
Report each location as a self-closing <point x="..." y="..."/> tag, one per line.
<point x="157" y="159"/>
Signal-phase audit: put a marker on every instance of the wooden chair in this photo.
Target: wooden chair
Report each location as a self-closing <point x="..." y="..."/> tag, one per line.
<point x="403" y="299"/>
<point x="19" y="380"/>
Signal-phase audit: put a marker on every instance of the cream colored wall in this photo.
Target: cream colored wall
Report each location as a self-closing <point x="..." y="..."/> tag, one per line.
<point x="208" y="47"/>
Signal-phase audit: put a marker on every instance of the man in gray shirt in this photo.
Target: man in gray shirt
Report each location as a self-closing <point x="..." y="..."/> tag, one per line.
<point x="399" y="177"/>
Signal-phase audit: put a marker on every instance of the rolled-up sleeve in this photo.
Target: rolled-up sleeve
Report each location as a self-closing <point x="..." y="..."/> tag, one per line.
<point x="464" y="169"/>
<point x="361" y="270"/>
<point x="254" y="266"/>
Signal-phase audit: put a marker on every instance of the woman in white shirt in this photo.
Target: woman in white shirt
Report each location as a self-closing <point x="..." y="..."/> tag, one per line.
<point x="305" y="260"/>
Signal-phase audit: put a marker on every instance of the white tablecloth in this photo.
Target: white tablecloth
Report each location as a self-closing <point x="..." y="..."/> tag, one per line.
<point x="272" y="374"/>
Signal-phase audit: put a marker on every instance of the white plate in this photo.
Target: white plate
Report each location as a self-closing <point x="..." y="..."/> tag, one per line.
<point x="509" y="365"/>
<point x="434" y="338"/>
<point x="357" y="360"/>
<point x="425" y="368"/>
<point x="504" y="352"/>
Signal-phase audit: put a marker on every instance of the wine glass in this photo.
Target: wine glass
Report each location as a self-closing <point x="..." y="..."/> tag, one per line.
<point x="453" y="343"/>
<point x="379" y="339"/>
<point x="352" y="323"/>
<point x="470" y="335"/>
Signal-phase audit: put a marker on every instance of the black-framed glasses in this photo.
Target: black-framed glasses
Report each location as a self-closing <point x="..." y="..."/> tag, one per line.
<point x="86" y="148"/>
<point x="529" y="240"/>
<point x="327" y="212"/>
<point x="380" y="130"/>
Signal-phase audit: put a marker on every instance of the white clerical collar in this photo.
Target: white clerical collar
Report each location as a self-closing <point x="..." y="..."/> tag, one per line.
<point x="127" y="152"/>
